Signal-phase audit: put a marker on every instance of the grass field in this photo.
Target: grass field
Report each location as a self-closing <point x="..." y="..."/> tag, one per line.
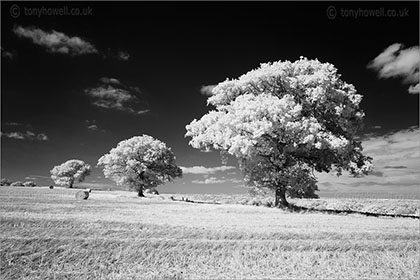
<point x="409" y="207"/>
<point x="48" y="234"/>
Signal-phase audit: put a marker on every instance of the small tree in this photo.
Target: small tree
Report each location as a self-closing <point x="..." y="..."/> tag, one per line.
<point x="5" y="182"/>
<point x="70" y="172"/>
<point x="283" y="121"/>
<point x="140" y="163"/>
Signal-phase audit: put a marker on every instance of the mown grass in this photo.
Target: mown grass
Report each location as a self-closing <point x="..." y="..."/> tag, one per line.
<point x="48" y="234"/>
<point x="376" y="206"/>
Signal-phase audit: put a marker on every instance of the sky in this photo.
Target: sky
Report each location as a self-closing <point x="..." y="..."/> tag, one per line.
<point x="77" y="78"/>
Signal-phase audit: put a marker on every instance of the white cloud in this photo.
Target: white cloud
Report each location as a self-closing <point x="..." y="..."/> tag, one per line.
<point x="234" y="180"/>
<point x="55" y="42"/>
<point x="106" y="80"/>
<point x="23" y="125"/>
<point x="205" y="170"/>
<point x="207" y="90"/>
<point x="211" y="180"/>
<point x="40" y="176"/>
<point x="395" y="61"/>
<point x="14" y="135"/>
<point x="112" y="94"/>
<point x="215" y="180"/>
<point x="42" y="137"/>
<point x="28" y="135"/>
<point x="396" y="158"/>
<point x="414" y="89"/>
<point x="110" y="98"/>
<point x="92" y="127"/>
<point x="7" y="54"/>
<point x="141" y="112"/>
<point x="123" y="56"/>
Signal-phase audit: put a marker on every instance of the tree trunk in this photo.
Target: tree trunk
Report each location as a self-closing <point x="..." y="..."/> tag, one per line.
<point x="141" y="186"/>
<point x="280" y="198"/>
<point x="71" y="184"/>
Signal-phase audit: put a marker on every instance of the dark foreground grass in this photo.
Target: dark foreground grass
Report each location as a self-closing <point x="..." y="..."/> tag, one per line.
<point x="47" y="234"/>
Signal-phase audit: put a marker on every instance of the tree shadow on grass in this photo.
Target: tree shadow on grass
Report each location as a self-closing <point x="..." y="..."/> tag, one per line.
<point x="300" y="209"/>
<point x="294" y="208"/>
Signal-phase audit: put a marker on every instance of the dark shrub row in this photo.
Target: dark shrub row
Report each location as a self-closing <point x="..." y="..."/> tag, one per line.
<point x="6" y="182"/>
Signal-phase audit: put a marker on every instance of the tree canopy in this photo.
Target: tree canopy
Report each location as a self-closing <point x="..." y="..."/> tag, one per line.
<point x="139" y="163"/>
<point x="71" y="171"/>
<point x="283" y="121"/>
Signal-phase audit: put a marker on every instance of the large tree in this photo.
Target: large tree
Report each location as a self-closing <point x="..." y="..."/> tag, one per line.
<point x="70" y="172"/>
<point x="140" y="163"/>
<point x="283" y="121"/>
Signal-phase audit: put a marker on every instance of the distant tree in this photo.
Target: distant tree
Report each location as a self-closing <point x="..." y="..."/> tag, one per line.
<point x="17" y="184"/>
<point x="5" y="182"/>
<point x="140" y="163"/>
<point x="29" y="184"/>
<point x="283" y="121"/>
<point x="70" y="172"/>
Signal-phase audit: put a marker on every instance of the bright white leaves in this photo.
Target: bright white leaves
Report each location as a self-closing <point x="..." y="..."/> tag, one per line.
<point x="303" y="107"/>
<point x="140" y="162"/>
<point x="238" y="127"/>
<point x="314" y="78"/>
<point x="69" y="172"/>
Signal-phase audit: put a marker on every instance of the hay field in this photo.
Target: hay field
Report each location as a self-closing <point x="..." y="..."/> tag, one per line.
<point x="48" y="234"/>
<point x="406" y="207"/>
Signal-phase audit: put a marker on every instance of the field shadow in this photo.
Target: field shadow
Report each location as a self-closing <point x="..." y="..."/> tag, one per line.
<point x="294" y="208"/>
<point x="299" y="209"/>
<point x="185" y="199"/>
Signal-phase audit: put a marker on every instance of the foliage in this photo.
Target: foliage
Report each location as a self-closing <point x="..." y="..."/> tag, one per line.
<point x="283" y="121"/>
<point x="139" y="163"/>
<point x="29" y="184"/>
<point x="71" y="171"/>
<point x="17" y="184"/>
<point x="5" y="182"/>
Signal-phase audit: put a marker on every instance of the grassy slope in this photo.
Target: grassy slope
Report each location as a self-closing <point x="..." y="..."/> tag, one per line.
<point x="47" y="234"/>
